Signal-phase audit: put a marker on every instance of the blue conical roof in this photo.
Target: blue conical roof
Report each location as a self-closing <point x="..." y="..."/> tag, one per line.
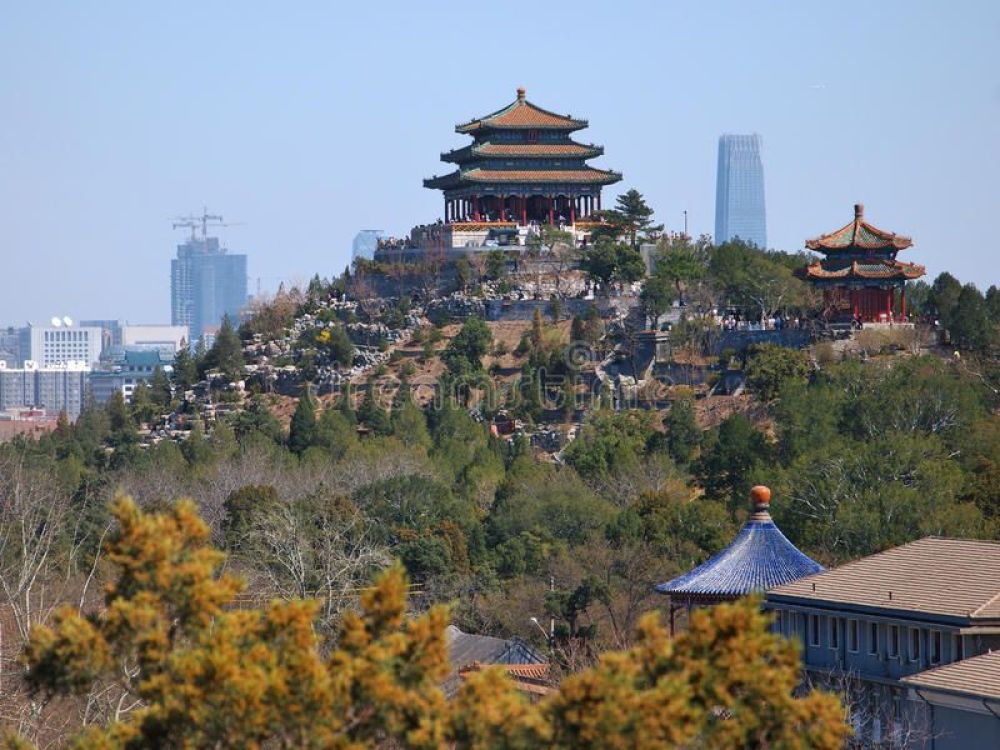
<point x="758" y="559"/>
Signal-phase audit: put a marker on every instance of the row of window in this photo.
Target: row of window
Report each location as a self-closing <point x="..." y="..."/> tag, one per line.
<point x="894" y="641"/>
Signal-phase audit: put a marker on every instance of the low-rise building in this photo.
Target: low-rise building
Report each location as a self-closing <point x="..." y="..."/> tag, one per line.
<point x="965" y="701"/>
<point x="869" y="625"/>
<point x="132" y="367"/>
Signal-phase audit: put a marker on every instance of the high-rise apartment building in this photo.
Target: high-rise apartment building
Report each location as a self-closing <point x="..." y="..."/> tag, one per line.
<point x="206" y="284"/>
<point x="739" y="191"/>
<point x="365" y="244"/>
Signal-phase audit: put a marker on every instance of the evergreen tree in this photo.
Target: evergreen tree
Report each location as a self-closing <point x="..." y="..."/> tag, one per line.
<point x="683" y="434"/>
<point x="464" y="354"/>
<point x="120" y="423"/>
<point x="537" y="329"/>
<point x="410" y="425"/>
<point x="345" y="405"/>
<point x="373" y="415"/>
<point x="993" y="303"/>
<point x="631" y="217"/>
<point x="185" y="370"/>
<point x="302" y="431"/>
<point x="159" y="388"/>
<point x="226" y="353"/>
<point x="970" y="324"/>
<point x="943" y="297"/>
<point x="335" y="432"/>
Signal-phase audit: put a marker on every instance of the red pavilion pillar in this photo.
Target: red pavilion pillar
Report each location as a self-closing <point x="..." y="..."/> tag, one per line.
<point x="572" y="211"/>
<point x="902" y="302"/>
<point x="524" y="210"/>
<point x="551" y="211"/>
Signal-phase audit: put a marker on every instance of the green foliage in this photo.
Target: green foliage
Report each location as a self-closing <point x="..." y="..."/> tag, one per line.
<point x="373" y="415"/>
<point x="496" y="264"/>
<point x="632" y="218"/>
<point x="771" y="366"/>
<point x="302" y="430"/>
<point x="226" y="354"/>
<point x="463" y="356"/>
<point x="185" y="372"/>
<point x="683" y="433"/>
<point x="970" y="326"/>
<point x="731" y="452"/>
<point x="606" y="262"/>
<point x="611" y="444"/>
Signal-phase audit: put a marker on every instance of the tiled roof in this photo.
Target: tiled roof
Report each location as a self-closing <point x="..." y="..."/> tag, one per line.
<point x="522" y="114"/>
<point x="873" y="268"/>
<point x="946" y="577"/>
<point x="977" y="675"/>
<point x="859" y="234"/>
<point x="529" y="678"/>
<point x="587" y="175"/>
<point x="758" y="559"/>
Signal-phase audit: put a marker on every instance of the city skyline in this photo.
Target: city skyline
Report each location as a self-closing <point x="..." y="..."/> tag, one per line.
<point x="740" y="204"/>
<point x="110" y="132"/>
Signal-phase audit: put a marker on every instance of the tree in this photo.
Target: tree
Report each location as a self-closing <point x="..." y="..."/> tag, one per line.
<point x="943" y="297"/>
<point x="607" y="261"/>
<point x="683" y="433"/>
<point x="192" y="670"/>
<point x="185" y="370"/>
<point x="771" y="366"/>
<point x="226" y="353"/>
<point x="463" y="356"/>
<point x="373" y="415"/>
<point x="159" y="389"/>
<point x="677" y="262"/>
<point x="730" y="455"/>
<point x="657" y="297"/>
<point x="970" y="323"/>
<point x="496" y="264"/>
<point x="302" y="430"/>
<point x="631" y="217"/>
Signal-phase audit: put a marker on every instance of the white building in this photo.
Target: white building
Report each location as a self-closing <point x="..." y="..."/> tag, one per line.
<point x="164" y="338"/>
<point x="56" y="345"/>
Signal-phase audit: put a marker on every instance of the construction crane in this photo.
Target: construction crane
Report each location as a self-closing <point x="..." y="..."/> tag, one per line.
<point x="204" y="221"/>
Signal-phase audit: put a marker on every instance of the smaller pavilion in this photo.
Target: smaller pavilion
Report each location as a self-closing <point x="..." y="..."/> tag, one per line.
<point x="859" y="274"/>
<point x="758" y="559"/>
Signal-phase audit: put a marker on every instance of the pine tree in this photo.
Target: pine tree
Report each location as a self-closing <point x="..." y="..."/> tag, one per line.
<point x="159" y="388"/>
<point x="226" y="353"/>
<point x="970" y="324"/>
<point x="683" y="434"/>
<point x="373" y="415"/>
<point x="302" y="431"/>
<point x="335" y="432"/>
<point x="185" y="370"/>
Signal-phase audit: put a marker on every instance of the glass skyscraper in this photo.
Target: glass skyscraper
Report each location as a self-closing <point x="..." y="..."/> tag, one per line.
<point x="206" y="283"/>
<point x="739" y="191"/>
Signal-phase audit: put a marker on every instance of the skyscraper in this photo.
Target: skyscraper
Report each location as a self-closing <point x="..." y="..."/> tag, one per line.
<point x="739" y="191"/>
<point x="206" y="283"/>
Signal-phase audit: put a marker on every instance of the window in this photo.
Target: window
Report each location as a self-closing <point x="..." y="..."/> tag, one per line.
<point x="893" y="641"/>
<point x="873" y="638"/>
<point x="914" y="644"/>
<point x="958" y="648"/>
<point x="852" y="636"/>
<point x="813" y="630"/>
<point x="934" y="644"/>
<point x="834" y="633"/>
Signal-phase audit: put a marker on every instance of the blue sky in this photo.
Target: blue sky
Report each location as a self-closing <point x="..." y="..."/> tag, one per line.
<point x="312" y="120"/>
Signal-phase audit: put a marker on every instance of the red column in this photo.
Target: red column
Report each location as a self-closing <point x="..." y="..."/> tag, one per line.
<point x="475" y="207"/>
<point x="854" y="303"/>
<point x="902" y="303"/>
<point x="572" y="211"/>
<point x="551" y="211"/>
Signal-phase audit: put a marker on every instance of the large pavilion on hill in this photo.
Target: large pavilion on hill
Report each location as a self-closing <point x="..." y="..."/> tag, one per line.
<point x="758" y="559"/>
<point x="522" y="166"/>
<point x="859" y="274"/>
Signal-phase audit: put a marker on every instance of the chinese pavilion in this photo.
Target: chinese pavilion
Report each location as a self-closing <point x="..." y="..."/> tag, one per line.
<point x="758" y="559"/>
<point x="522" y="166"/>
<point x="859" y="274"/>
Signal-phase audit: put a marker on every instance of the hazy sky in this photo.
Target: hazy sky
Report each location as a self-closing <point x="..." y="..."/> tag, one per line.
<point x="309" y="121"/>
